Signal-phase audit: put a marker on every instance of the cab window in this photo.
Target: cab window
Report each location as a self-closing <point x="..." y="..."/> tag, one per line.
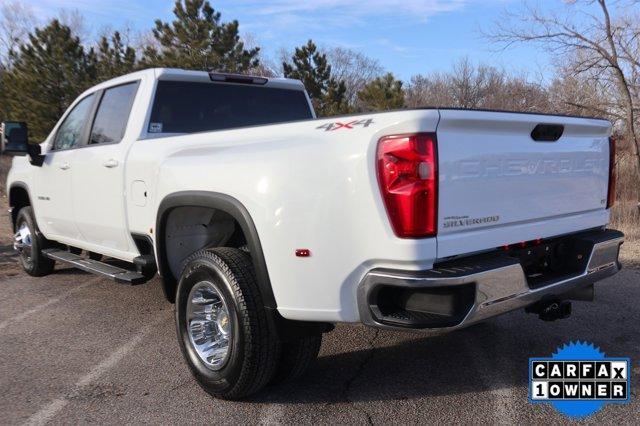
<point x="70" y="130"/>
<point x="113" y="114"/>
<point x="187" y="107"/>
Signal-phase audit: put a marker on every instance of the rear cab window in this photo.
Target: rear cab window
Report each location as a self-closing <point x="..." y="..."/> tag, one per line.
<point x="184" y="107"/>
<point x="113" y="114"/>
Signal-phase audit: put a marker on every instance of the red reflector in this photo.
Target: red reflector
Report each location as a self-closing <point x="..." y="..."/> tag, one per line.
<point x="408" y="178"/>
<point x="611" y="194"/>
<point x="303" y="252"/>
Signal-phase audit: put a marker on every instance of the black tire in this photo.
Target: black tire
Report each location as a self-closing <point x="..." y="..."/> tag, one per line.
<point x="296" y="357"/>
<point x="33" y="261"/>
<point x="254" y="348"/>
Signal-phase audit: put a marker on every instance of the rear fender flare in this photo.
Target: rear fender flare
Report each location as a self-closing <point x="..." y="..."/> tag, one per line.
<point x="217" y="201"/>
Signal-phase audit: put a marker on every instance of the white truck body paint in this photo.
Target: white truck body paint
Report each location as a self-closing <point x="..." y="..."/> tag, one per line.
<point x="306" y="187"/>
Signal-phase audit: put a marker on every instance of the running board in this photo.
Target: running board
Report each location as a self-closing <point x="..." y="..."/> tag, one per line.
<point x="115" y="273"/>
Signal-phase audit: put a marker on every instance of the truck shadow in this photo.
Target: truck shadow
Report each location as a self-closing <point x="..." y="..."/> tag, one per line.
<point x="473" y="360"/>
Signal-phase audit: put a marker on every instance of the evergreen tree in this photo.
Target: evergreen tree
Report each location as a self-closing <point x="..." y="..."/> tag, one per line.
<point x="312" y="68"/>
<point x="47" y="74"/>
<point x="114" y="58"/>
<point x="4" y="112"/>
<point x="197" y="39"/>
<point x="382" y="94"/>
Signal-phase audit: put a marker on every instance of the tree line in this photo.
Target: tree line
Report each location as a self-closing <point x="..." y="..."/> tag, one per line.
<point x="47" y="67"/>
<point x="44" y="67"/>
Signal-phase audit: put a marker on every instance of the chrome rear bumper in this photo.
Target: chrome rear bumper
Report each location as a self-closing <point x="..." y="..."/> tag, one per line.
<point x="472" y="290"/>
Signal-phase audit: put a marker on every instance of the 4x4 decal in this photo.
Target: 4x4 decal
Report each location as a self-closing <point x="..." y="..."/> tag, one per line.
<point x="366" y="122"/>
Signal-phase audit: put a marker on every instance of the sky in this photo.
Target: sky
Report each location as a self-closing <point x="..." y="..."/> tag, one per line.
<point x="407" y="37"/>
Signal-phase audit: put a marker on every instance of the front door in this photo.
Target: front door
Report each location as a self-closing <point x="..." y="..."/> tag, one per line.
<point x="53" y="199"/>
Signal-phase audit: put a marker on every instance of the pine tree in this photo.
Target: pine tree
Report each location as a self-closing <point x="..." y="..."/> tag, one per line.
<point x="382" y="94"/>
<point x="197" y="39"/>
<point x="4" y="111"/>
<point x="312" y="68"/>
<point x="114" y="58"/>
<point x="47" y="74"/>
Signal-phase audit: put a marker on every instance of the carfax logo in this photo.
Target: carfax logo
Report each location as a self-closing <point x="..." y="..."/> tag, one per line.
<point x="578" y="380"/>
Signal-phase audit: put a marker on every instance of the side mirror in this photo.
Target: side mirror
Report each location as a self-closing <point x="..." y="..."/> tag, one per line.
<point x="14" y="139"/>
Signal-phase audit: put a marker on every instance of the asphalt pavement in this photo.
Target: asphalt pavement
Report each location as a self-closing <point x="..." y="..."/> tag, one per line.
<point x="75" y="348"/>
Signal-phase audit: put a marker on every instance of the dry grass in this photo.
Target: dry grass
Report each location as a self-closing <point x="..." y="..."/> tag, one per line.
<point x="626" y="212"/>
<point x="626" y="218"/>
<point x="630" y="254"/>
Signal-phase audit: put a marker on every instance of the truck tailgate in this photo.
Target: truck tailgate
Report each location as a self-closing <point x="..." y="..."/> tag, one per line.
<point x="493" y="174"/>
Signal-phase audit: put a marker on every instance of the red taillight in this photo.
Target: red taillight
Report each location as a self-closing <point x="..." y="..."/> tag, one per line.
<point x="611" y="195"/>
<point x="408" y="178"/>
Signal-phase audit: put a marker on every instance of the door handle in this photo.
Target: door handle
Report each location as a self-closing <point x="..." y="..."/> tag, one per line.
<point x="111" y="163"/>
<point x="65" y="166"/>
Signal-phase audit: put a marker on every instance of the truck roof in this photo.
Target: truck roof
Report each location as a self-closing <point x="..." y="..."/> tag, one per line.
<point x="191" y="75"/>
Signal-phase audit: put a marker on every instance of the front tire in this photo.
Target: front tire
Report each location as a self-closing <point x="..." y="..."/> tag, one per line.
<point x="29" y="243"/>
<point x="222" y="325"/>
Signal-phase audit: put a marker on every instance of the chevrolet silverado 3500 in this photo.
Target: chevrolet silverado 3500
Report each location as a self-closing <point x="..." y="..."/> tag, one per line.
<point x="269" y="225"/>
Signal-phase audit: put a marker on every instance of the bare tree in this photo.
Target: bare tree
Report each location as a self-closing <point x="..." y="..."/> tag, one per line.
<point x="266" y="67"/>
<point x="584" y="95"/>
<point x="16" y="21"/>
<point x="429" y="90"/>
<point x="470" y="86"/>
<point x="601" y="47"/>
<point x="74" y="19"/>
<point x="354" y="68"/>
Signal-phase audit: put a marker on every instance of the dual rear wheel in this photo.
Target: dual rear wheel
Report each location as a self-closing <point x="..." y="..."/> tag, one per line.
<point x="224" y="330"/>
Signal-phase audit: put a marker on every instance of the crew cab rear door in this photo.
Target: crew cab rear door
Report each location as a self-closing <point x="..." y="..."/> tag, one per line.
<point x="512" y="177"/>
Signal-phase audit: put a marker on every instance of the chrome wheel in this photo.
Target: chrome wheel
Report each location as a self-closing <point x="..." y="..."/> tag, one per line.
<point x="23" y="242"/>
<point x="209" y="325"/>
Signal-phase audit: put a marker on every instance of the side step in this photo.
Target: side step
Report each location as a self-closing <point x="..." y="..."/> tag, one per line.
<point x="115" y="273"/>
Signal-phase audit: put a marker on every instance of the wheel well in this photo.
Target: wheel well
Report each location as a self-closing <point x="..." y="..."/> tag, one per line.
<point x="189" y="229"/>
<point x="18" y="198"/>
<point x="191" y="220"/>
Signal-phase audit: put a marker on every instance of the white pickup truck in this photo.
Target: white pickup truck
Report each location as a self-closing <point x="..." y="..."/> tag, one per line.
<point x="268" y="225"/>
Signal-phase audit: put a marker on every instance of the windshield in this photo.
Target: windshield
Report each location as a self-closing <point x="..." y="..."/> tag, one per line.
<point x="189" y="107"/>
